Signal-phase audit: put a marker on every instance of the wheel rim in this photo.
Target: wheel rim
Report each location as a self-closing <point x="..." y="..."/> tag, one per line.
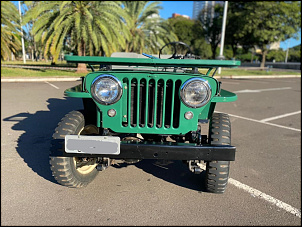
<point x="86" y="169"/>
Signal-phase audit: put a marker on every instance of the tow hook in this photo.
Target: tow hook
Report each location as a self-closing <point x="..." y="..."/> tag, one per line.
<point x="194" y="167"/>
<point x="103" y="164"/>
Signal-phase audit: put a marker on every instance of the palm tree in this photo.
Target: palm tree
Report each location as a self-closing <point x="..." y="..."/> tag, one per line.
<point x="158" y="32"/>
<point x="10" y="37"/>
<point x="31" y="44"/>
<point x="148" y="30"/>
<point x="94" y="27"/>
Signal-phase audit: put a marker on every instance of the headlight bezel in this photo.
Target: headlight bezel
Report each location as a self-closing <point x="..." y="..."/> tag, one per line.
<point x="115" y="80"/>
<point x="207" y="86"/>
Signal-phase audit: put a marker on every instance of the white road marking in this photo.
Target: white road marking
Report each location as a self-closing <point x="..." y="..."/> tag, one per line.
<point x="267" y="123"/>
<point x="283" y="81"/>
<point x="280" y="116"/>
<point x="260" y="90"/>
<point x="259" y="82"/>
<point x="256" y="193"/>
<point x="224" y="82"/>
<point x="51" y="84"/>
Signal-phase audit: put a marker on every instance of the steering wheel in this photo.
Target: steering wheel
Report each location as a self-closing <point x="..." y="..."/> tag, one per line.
<point x="177" y="46"/>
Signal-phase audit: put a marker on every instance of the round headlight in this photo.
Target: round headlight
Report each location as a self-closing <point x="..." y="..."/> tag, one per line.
<point x="106" y="89"/>
<point x="195" y="92"/>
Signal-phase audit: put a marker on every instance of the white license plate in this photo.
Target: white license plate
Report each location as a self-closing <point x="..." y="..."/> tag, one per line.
<point x="92" y="144"/>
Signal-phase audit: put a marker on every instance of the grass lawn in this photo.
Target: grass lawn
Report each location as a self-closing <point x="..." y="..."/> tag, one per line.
<point x="244" y="72"/>
<point x="17" y="72"/>
<point x="40" y="63"/>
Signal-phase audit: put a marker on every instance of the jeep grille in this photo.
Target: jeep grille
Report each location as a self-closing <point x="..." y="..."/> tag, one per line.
<point x="152" y="103"/>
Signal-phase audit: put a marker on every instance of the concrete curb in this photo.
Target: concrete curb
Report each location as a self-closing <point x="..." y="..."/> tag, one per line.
<point x="255" y="77"/>
<point x="79" y="79"/>
<point x="38" y="67"/>
<point x="40" y="79"/>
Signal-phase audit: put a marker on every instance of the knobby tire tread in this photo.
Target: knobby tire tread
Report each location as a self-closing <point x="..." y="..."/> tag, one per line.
<point x="63" y="168"/>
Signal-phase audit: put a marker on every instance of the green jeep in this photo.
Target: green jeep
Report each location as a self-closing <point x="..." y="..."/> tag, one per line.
<point x="144" y="107"/>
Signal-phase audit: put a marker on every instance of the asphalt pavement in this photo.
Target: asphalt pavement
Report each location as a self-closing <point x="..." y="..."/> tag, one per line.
<point x="265" y="179"/>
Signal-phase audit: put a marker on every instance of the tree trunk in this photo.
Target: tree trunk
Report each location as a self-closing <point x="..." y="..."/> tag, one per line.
<point x="264" y="52"/>
<point x="35" y="51"/>
<point x="234" y="48"/>
<point x="52" y="61"/>
<point x="126" y="50"/>
<point x="252" y="57"/>
<point x="213" y="51"/>
<point x="214" y="47"/>
<point x="82" y="66"/>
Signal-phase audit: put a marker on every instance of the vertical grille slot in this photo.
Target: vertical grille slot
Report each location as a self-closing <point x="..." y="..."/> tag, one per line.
<point x="176" y="110"/>
<point x="134" y="103"/>
<point x="152" y="103"/>
<point x="151" y="106"/>
<point x="169" y="87"/>
<point x="126" y="85"/>
<point x="142" y="98"/>
<point x="159" y="109"/>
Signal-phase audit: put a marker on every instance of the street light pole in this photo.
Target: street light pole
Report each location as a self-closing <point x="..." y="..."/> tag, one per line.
<point x="22" y="39"/>
<point x="223" y="33"/>
<point x="287" y="51"/>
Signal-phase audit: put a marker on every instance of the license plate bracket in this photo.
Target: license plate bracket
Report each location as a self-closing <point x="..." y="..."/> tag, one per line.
<point x="83" y="144"/>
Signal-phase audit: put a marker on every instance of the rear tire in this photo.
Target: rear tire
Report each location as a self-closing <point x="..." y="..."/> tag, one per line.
<point x="217" y="172"/>
<point x="72" y="171"/>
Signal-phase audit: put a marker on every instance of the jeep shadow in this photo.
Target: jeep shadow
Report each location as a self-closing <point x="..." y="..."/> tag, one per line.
<point x="33" y="145"/>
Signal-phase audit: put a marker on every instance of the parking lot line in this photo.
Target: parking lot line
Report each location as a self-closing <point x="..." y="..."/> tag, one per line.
<point x="280" y="116"/>
<point x="256" y="193"/>
<point x="267" y="123"/>
<point x="260" y="90"/>
<point x="51" y="84"/>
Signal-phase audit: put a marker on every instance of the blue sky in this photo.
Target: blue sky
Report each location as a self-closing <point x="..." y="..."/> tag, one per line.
<point x="180" y="7"/>
<point x="186" y="8"/>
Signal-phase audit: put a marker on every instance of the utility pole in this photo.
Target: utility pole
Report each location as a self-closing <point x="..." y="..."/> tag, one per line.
<point x="221" y="57"/>
<point x="287" y="51"/>
<point x="22" y="39"/>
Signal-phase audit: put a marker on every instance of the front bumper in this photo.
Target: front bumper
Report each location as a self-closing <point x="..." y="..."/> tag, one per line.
<point x="164" y="150"/>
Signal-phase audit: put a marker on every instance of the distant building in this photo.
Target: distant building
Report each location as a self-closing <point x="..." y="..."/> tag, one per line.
<point x="274" y="46"/>
<point x="206" y="8"/>
<point x="197" y="7"/>
<point x="174" y="15"/>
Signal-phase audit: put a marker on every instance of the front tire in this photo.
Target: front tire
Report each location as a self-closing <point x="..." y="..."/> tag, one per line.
<point x="72" y="171"/>
<point x="217" y="172"/>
